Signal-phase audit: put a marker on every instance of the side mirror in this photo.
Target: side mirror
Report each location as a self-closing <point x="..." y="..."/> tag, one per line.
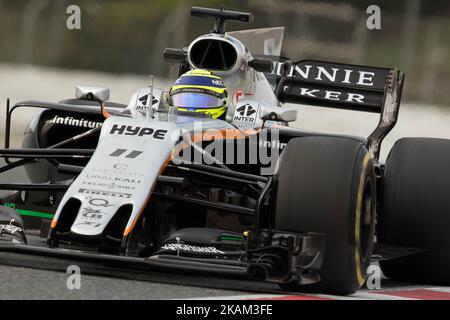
<point x="277" y="114"/>
<point x="174" y="55"/>
<point x="261" y="65"/>
<point x="98" y="94"/>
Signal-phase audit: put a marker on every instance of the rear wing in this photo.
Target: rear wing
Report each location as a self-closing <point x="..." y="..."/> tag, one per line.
<point x="342" y="86"/>
<point x="335" y="85"/>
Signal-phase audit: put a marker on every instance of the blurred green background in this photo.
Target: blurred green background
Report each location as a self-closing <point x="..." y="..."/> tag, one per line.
<point x="121" y="36"/>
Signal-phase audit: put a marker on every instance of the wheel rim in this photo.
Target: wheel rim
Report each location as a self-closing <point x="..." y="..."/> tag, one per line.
<point x="365" y="224"/>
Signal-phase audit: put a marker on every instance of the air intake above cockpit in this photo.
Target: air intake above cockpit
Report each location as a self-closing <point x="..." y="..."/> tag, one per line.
<point x="213" y="54"/>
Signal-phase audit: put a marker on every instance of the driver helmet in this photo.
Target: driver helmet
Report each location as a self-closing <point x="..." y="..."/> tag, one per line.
<point x="200" y="91"/>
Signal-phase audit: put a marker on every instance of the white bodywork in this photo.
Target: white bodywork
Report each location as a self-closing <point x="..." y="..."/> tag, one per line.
<point x="123" y="169"/>
<point x="133" y="149"/>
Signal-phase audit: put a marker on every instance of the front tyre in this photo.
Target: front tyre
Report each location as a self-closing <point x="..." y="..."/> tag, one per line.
<point x="327" y="185"/>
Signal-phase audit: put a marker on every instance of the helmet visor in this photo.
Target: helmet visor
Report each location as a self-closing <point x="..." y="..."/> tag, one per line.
<point x="192" y="100"/>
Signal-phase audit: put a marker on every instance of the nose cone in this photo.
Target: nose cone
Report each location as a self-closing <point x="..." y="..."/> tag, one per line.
<point x="92" y="220"/>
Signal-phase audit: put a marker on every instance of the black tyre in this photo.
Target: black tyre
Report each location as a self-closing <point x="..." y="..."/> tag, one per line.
<point x="416" y="209"/>
<point x="327" y="185"/>
<point x="11" y="218"/>
<point x="9" y="214"/>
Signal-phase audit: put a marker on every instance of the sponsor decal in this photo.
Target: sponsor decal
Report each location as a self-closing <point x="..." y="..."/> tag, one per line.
<point x="110" y="178"/>
<point x="120" y="166"/>
<point x="99" y="202"/>
<point x="138" y="131"/>
<point x="91" y="213"/>
<point x="246" y="110"/>
<point x="185" y="247"/>
<point x="331" y="73"/>
<point x="245" y="113"/>
<point x="71" y="121"/>
<point x="117" y="172"/>
<point x="217" y="82"/>
<point x="118" y="186"/>
<point x="108" y="185"/>
<point x="334" y="75"/>
<point x="91" y="217"/>
<point x="142" y="102"/>
<point x="10" y="228"/>
<point x="274" y="144"/>
<point x="331" y="95"/>
<point x="131" y="155"/>
<point x="105" y="193"/>
<point x="89" y="223"/>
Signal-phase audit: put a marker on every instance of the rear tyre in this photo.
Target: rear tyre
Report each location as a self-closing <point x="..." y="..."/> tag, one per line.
<point x="327" y="185"/>
<point x="416" y="209"/>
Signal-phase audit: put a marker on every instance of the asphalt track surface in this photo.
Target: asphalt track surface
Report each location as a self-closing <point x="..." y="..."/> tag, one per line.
<point x="32" y="277"/>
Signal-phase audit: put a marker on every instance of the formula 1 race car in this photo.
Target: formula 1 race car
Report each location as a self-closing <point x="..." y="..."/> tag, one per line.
<point x="150" y="184"/>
